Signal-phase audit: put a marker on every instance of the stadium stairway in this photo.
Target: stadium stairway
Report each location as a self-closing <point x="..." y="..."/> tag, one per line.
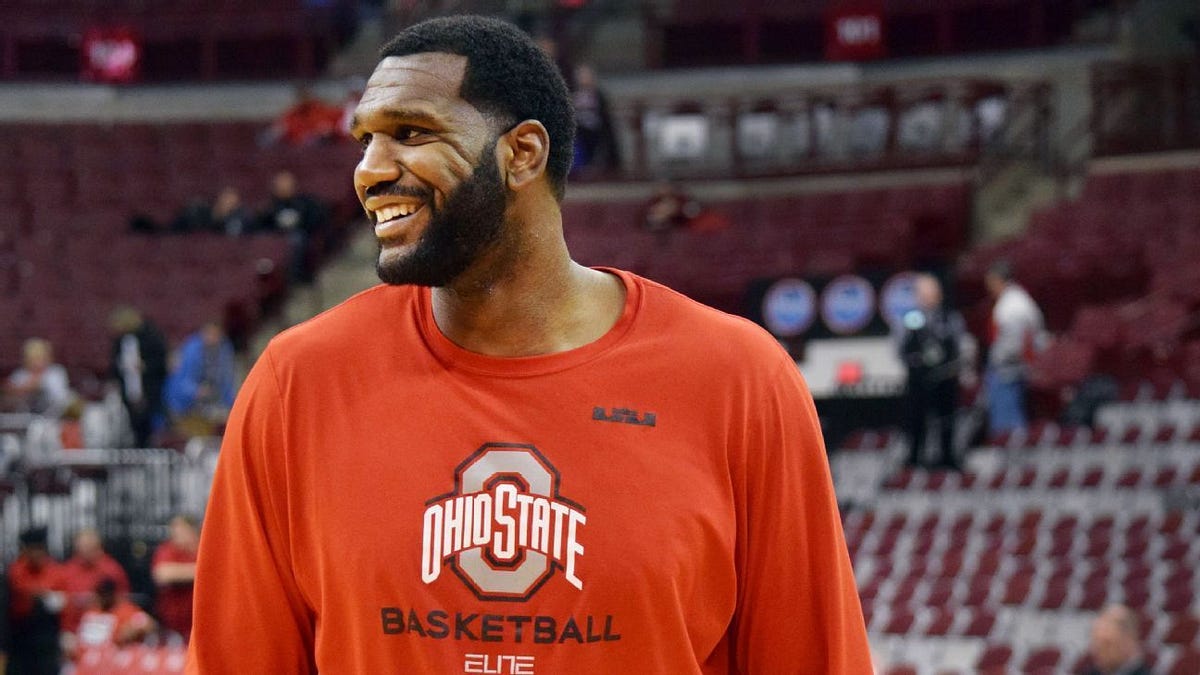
<point x="350" y="272"/>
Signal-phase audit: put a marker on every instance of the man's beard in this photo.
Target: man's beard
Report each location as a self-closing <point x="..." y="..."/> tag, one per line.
<point x="467" y="224"/>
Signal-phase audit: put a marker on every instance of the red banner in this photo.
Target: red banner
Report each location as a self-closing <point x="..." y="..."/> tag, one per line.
<point x="111" y="54"/>
<point x="854" y="31"/>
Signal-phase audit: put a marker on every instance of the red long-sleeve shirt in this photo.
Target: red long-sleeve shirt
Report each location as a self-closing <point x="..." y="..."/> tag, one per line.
<point x="657" y="501"/>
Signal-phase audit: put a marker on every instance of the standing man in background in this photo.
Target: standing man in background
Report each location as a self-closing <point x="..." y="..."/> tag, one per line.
<point x="139" y="365"/>
<point x="931" y="349"/>
<point x="501" y="458"/>
<point x="1017" y="335"/>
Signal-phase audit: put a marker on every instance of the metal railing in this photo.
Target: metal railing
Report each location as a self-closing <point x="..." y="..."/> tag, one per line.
<point x="125" y="494"/>
<point x="944" y="122"/>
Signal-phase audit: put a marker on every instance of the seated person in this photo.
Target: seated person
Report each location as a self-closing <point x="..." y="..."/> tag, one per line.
<point x="86" y="568"/>
<point x="40" y="386"/>
<point x="298" y="216"/>
<point x="174" y="572"/>
<point x="114" y="620"/>
<point x="309" y="120"/>
<point x="195" y="216"/>
<point x="670" y="208"/>
<point x="199" y="391"/>
<point x="229" y="217"/>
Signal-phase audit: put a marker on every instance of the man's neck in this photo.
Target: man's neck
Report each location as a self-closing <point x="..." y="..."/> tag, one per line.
<point x="528" y="300"/>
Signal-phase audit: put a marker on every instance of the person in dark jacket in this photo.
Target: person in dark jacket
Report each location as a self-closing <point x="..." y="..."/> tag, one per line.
<point x="35" y="585"/>
<point x="930" y="349"/>
<point x="5" y="629"/>
<point x="139" y="365"/>
<point x="299" y="217"/>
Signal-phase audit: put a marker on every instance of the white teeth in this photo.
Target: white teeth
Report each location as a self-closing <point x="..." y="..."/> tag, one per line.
<point x="391" y="212"/>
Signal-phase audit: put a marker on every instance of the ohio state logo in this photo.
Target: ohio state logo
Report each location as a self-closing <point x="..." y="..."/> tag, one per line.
<point x="505" y="529"/>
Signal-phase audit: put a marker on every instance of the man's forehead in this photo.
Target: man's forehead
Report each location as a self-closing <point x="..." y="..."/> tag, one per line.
<point x="426" y="68"/>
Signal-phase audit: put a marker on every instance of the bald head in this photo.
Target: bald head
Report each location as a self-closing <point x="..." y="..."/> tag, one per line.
<point x="88" y="545"/>
<point x="1114" y="638"/>
<point x="928" y="291"/>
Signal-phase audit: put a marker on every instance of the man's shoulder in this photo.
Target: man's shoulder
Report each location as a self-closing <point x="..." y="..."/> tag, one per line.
<point x="693" y="325"/>
<point x="345" y="327"/>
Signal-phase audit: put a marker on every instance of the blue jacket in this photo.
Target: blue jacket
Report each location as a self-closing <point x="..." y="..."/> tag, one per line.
<point x="184" y="381"/>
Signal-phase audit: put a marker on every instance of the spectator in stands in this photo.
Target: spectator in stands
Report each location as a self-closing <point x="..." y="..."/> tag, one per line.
<point x="174" y="572"/>
<point x="309" y="120"/>
<point x="1114" y="646"/>
<point x="229" y="217"/>
<point x="670" y="208"/>
<point x="139" y="365"/>
<point x="299" y="216"/>
<point x="40" y="386"/>
<point x="200" y="390"/>
<point x="1017" y="334"/>
<point x="354" y="92"/>
<point x="35" y="600"/>
<point x="112" y="620"/>
<point x="195" y="216"/>
<point x="83" y="571"/>
<point x="930" y="348"/>
<point x="595" y="139"/>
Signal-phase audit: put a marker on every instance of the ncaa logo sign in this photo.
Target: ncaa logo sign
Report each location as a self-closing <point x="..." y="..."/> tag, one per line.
<point x="898" y="298"/>
<point x="847" y="304"/>
<point x="789" y="307"/>
<point x="505" y="529"/>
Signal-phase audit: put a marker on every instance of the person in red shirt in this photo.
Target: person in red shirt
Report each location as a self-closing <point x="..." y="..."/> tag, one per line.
<point x="503" y="461"/>
<point x="307" y="121"/>
<point x="174" y="572"/>
<point x="36" y="597"/>
<point x="113" y="620"/>
<point x="83" y="571"/>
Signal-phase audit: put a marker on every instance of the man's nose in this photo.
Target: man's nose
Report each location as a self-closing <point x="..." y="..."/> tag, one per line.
<point x="378" y="164"/>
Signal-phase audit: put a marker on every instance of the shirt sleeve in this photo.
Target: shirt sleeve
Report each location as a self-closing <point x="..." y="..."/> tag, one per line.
<point x="250" y="614"/>
<point x="798" y="608"/>
<point x="57" y="386"/>
<point x="1010" y="330"/>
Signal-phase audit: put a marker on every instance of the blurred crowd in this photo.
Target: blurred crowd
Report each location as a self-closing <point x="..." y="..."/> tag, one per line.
<point x="53" y="612"/>
<point x="187" y="391"/>
<point x="289" y="211"/>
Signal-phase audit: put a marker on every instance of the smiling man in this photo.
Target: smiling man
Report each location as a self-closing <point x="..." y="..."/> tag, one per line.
<point x="500" y="461"/>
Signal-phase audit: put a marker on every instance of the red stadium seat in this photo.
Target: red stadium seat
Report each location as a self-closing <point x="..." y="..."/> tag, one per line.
<point x="1186" y="662"/>
<point x="995" y="658"/>
<point x="1042" y="661"/>
<point x="1182" y="630"/>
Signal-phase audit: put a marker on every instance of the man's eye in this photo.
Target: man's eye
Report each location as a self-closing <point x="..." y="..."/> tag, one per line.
<point x="409" y="133"/>
<point x="364" y="140"/>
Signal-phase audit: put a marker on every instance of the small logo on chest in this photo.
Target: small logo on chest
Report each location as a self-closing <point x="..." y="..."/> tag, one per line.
<point x="624" y="416"/>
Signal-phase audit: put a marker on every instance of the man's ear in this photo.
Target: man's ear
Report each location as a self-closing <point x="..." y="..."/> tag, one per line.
<point x="526" y="150"/>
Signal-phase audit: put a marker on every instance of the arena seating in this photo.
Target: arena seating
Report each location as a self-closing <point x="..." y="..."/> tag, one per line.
<point x="698" y="32"/>
<point x="1114" y="272"/>
<point x="68" y="192"/>
<point x="183" y="40"/>
<point x="822" y="233"/>
<point x="139" y="659"/>
<point x="1002" y="568"/>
